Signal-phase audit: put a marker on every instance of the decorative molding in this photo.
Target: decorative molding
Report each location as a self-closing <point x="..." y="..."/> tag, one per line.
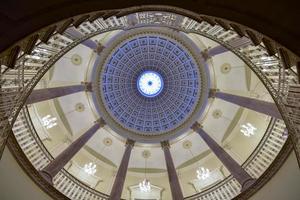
<point x="195" y="17"/>
<point x="149" y="170"/>
<point x="196" y="127"/>
<point x="146" y="154"/>
<point x="205" y="54"/>
<point x="99" y="48"/>
<point x="187" y="144"/>
<point x="165" y="144"/>
<point x="79" y="107"/>
<point x="101" y="122"/>
<point x="76" y="59"/>
<point x="107" y="141"/>
<point x="88" y="86"/>
<point x="217" y="113"/>
<point x="100" y="157"/>
<point x="130" y="143"/>
<point x="225" y="68"/>
<point x="212" y="92"/>
<point x="194" y="159"/>
<point x="233" y="123"/>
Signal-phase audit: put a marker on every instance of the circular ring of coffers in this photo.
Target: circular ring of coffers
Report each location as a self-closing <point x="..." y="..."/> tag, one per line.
<point x="178" y="105"/>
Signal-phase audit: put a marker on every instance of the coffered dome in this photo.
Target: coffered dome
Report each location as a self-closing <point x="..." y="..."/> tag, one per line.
<point x="150" y="85"/>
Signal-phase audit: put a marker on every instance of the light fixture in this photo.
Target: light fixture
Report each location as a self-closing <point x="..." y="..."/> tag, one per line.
<point x="145" y="185"/>
<point x="248" y="129"/>
<point x="90" y="168"/>
<point x="49" y="121"/>
<point x="203" y="173"/>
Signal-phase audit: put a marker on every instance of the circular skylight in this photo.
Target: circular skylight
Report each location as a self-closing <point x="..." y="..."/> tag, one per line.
<point x="150" y="83"/>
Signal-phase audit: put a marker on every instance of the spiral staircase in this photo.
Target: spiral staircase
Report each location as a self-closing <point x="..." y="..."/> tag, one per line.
<point x="26" y="62"/>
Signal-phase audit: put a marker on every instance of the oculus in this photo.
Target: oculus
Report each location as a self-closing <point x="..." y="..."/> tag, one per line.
<point x="150" y="83"/>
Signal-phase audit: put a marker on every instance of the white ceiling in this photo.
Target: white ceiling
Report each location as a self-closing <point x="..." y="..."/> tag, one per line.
<point x="66" y="73"/>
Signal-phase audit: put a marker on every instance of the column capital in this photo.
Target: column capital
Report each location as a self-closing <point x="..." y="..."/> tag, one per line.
<point x="101" y="122"/>
<point x="165" y="144"/>
<point x="130" y="143"/>
<point x="88" y="86"/>
<point x="196" y="127"/>
<point x="212" y="92"/>
<point x="99" y="48"/>
<point x="205" y="54"/>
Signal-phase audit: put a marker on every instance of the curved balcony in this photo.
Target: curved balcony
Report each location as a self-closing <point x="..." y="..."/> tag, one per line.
<point x="29" y="60"/>
<point x="256" y="165"/>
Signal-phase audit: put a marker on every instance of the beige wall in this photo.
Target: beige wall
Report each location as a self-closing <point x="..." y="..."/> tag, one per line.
<point x="285" y="185"/>
<point x="14" y="182"/>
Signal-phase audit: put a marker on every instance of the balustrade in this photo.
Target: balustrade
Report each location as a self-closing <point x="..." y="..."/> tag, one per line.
<point x="17" y="83"/>
<point x="39" y="157"/>
<point x="255" y="165"/>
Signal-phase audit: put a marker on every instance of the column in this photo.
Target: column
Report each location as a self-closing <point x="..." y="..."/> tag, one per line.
<point x="117" y="188"/>
<point x="233" y="167"/>
<point x="63" y="158"/>
<point x="173" y="178"/>
<point x="260" y="106"/>
<point x="51" y="93"/>
<point x="216" y="50"/>
<point x="237" y="43"/>
<point x="76" y="34"/>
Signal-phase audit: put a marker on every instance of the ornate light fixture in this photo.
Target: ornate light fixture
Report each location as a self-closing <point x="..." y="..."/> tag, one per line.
<point x="90" y="168"/>
<point x="49" y="121"/>
<point x="248" y="129"/>
<point x="145" y="185"/>
<point x="203" y="173"/>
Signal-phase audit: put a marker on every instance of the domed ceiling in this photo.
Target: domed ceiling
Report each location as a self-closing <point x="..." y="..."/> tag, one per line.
<point x="73" y="123"/>
<point x="141" y="73"/>
<point x="150" y="85"/>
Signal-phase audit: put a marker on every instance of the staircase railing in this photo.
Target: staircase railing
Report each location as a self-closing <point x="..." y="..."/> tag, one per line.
<point x="258" y="162"/>
<point x="24" y="64"/>
<point x="39" y="157"/>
